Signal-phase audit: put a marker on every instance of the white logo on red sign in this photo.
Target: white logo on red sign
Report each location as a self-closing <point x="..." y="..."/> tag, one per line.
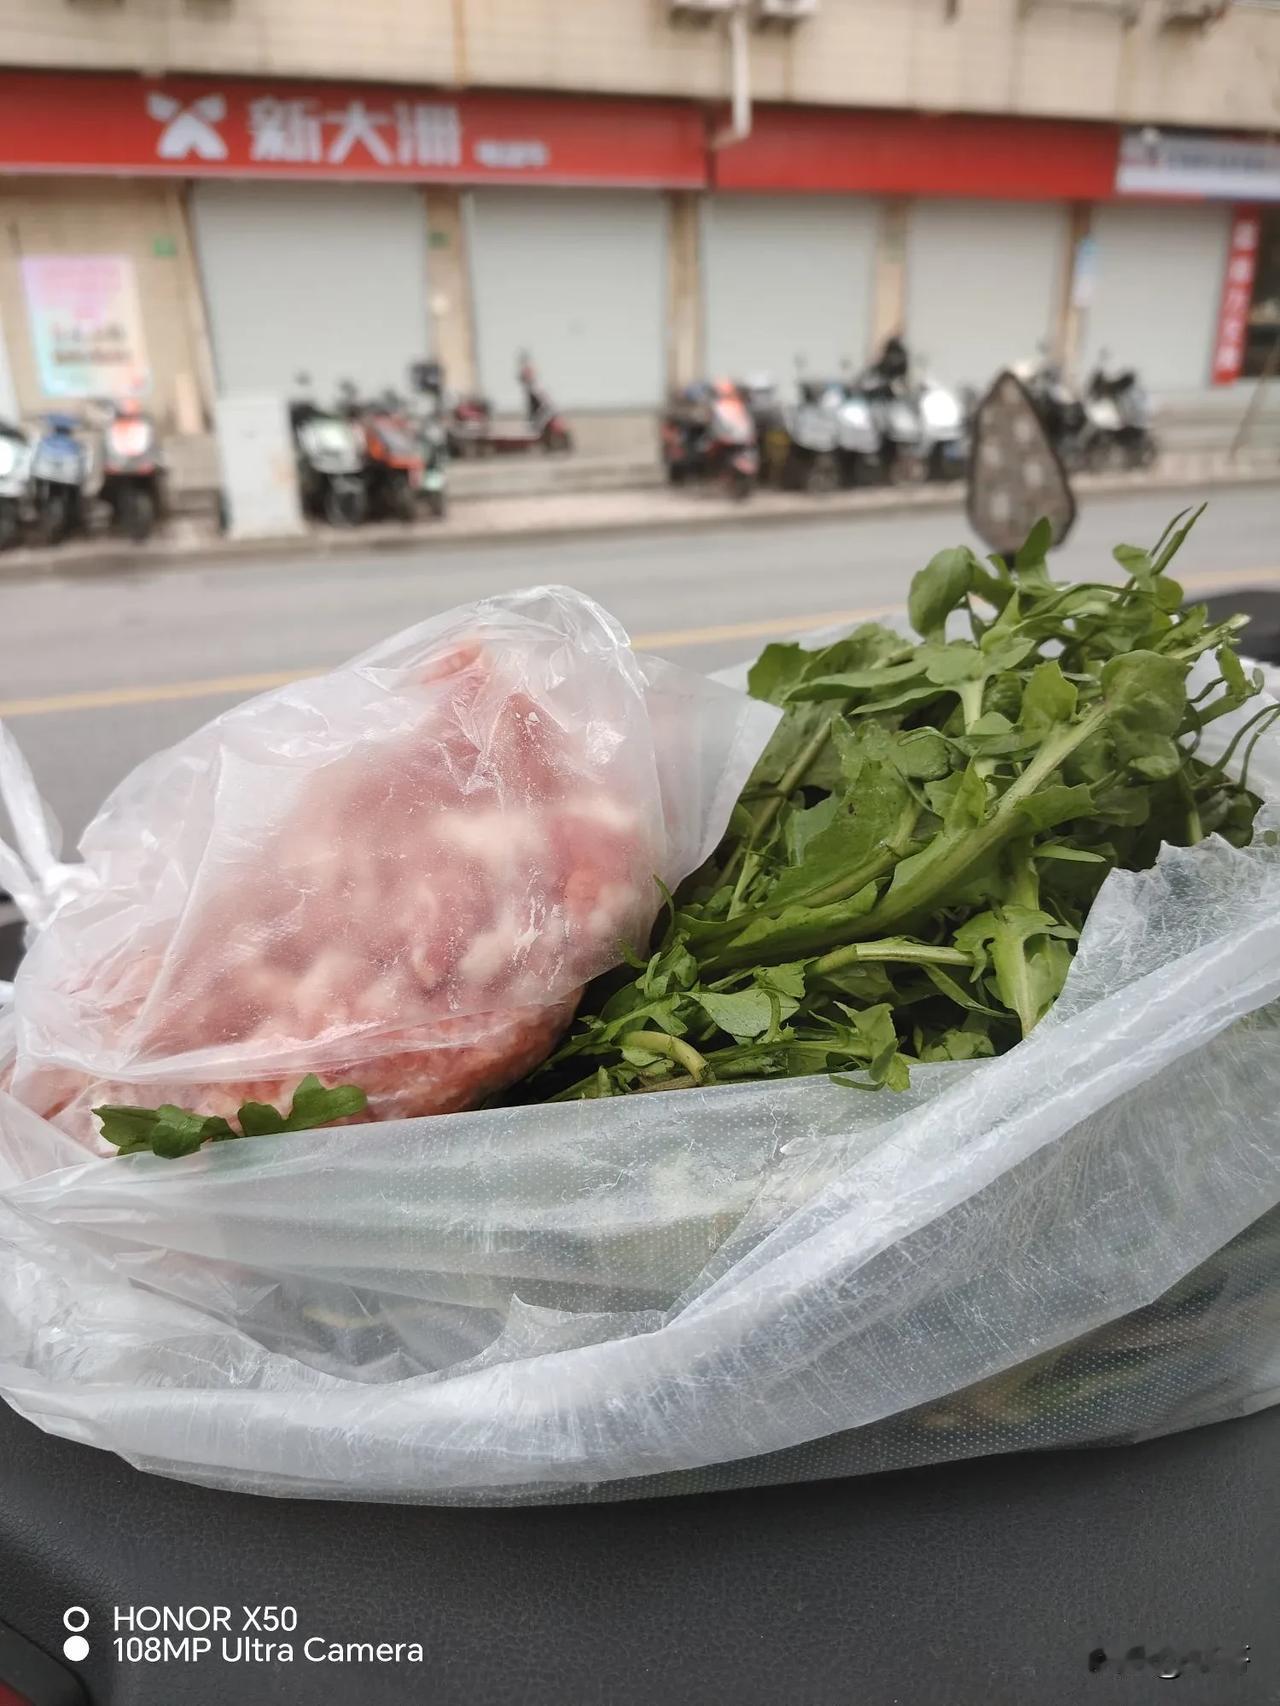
<point x="189" y="130"/>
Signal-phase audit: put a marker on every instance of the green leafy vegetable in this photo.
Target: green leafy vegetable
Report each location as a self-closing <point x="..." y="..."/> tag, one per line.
<point x="910" y="866"/>
<point x="173" y="1132"/>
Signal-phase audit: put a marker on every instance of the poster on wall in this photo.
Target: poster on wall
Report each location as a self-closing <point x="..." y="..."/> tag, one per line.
<point x="86" y="328"/>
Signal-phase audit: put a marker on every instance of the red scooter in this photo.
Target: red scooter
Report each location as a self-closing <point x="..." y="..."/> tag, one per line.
<point x="709" y="434"/>
<point x="473" y="431"/>
<point x="392" y="454"/>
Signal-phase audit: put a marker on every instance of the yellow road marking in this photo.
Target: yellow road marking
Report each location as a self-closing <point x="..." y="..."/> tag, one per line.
<point x="107" y="698"/>
<point x="221" y="687"/>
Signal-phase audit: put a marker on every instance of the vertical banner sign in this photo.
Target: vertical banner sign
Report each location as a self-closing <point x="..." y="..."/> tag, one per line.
<point x="86" y="328"/>
<point x="1237" y="296"/>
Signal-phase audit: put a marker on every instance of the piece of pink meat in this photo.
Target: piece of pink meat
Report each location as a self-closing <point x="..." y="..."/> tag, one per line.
<point x="421" y="924"/>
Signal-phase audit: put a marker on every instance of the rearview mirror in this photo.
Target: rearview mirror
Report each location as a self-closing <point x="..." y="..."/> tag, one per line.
<point x="1015" y="474"/>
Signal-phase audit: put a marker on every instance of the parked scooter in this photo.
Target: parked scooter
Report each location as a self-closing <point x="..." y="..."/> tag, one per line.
<point x="770" y="418"/>
<point x="474" y="431"/>
<point x="392" y="457"/>
<point x="708" y="434"/>
<point x="1118" y="419"/>
<point x="814" y="462"/>
<point x="330" y="452"/>
<point x="902" y="452"/>
<point x="15" y="482"/>
<point x="62" y="472"/>
<point x="943" y="417"/>
<point x="426" y="413"/>
<point x="1061" y="411"/>
<point x="132" y="470"/>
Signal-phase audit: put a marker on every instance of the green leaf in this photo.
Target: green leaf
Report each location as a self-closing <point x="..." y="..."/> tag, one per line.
<point x="177" y="1132"/>
<point x="1055" y="803"/>
<point x="939" y="588"/>
<point x="776" y="671"/>
<point x="257" y="1119"/>
<point x="1136" y="563"/>
<point x="1047" y="699"/>
<point x="921" y="754"/>
<point x="1028" y="956"/>
<point x="805" y="825"/>
<point x="857" y="682"/>
<point x="1063" y="851"/>
<point x="949" y="665"/>
<point x="1171" y="541"/>
<point x="748" y="1013"/>
<point x="785" y="980"/>
<point x="314" y="1105"/>
<point x="1146" y="698"/>
<point x="955" y="991"/>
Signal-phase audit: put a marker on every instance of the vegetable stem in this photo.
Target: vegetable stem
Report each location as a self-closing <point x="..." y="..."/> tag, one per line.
<point x="658" y="1042"/>
<point x="769" y="809"/>
<point x="907" y="953"/>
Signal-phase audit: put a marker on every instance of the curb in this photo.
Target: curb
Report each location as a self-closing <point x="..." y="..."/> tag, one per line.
<point x="765" y="509"/>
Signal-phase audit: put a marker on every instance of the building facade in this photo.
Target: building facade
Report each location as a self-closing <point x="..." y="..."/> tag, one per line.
<point x="203" y="196"/>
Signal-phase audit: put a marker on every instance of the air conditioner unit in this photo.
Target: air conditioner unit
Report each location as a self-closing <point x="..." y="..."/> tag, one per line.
<point x="1197" y="12"/>
<point x="699" y="11"/>
<point x="784" y="11"/>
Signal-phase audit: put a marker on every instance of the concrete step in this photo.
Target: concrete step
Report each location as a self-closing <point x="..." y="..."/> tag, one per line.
<point x="533" y="472"/>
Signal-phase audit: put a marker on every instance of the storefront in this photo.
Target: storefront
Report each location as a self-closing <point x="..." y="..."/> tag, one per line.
<point x="577" y="278"/>
<point x="787" y="279"/>
<point x="183" y="236"/>
<point x="299" y="213"/>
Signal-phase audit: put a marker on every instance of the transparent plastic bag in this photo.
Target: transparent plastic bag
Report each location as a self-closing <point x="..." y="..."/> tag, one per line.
<point x="400" y="874"/>
<point x="1076" y="1242"/>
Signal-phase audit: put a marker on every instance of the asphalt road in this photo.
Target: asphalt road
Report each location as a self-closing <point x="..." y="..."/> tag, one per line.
<point x="98" y="671"/>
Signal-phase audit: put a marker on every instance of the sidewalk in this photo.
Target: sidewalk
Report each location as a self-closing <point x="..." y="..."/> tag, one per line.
<point x="550" y="515"/>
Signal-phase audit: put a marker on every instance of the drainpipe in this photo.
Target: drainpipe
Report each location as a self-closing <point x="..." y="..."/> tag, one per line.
<point x="739" y="127"/>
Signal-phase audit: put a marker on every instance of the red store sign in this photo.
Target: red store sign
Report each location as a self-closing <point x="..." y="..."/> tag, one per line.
<point x="1237" y="296"/>
<point x="209" y="128"/>
<point x="850" y="152"/>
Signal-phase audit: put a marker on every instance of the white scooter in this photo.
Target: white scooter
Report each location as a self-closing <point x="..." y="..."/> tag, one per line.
<point x="942" y="416"/>
<point x="15" y="482"/>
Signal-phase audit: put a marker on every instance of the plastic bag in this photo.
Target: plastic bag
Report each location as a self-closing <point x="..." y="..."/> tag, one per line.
<point x="1076" y="1242"/>
<point x="400" y="874"/>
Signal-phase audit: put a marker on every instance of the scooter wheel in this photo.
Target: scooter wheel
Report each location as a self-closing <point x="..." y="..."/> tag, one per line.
<point x="403" y="505"/>
<point x="344" y="506"/>
<point x="10" y="525"/>
<point x="557" y="441"/>
<point x="823" y="474"/>
<point x="1097" y="456"/>
<point x="437" y="504"/>
<point x="55" y="518"/>
<point x="741" y="486"/>
<point x="136" y="513"/>
<point x="1147" y="453"/>
<point x="908" y="469"/>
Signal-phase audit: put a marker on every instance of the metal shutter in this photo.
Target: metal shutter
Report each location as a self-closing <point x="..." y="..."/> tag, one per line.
<point x="787" y="276"/>
<point x="984" y="279"/>
<point x="577" y="278"/>
<point x="327" y="279"/>
<point x="1158" y="289"/>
